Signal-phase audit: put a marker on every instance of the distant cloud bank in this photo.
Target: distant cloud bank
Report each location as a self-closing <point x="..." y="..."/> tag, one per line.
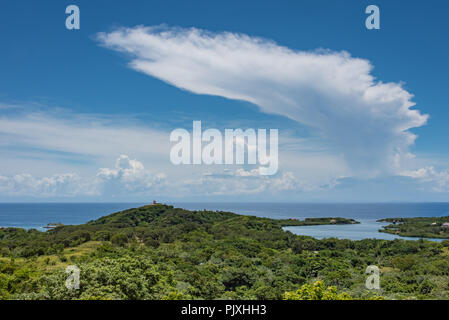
<point x="127" y="177"/>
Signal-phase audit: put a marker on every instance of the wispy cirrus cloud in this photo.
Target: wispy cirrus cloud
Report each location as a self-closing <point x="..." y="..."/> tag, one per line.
<point x="57" y="153"/>
<point x="365" y="119"/>
<point x="44" y="141"/>
<point x="66" y="132"/>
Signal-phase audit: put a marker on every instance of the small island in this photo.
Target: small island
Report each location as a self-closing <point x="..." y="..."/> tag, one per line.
<point x="52" y="225"/>
<point x="315" y="222"/>
<point x="418" y="227"/>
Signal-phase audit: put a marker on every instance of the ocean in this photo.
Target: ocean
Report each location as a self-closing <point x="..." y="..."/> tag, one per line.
<point x="37" y="215"/>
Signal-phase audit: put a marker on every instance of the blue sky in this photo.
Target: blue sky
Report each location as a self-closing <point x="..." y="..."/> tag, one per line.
<point x="80" y="124"/>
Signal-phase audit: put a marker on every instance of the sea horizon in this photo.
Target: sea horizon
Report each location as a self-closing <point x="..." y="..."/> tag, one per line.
<point x="249" y="202"/>
<point x="36" y="215"/>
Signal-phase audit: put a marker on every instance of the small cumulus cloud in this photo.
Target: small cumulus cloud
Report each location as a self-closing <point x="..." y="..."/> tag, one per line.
<point x="130" y="175"/>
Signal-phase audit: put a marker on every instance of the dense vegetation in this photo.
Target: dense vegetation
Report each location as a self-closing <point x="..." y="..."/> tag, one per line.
<point x="418" y="227"/>
<point x="161" y="252"/>
<point x="315" y="221"/>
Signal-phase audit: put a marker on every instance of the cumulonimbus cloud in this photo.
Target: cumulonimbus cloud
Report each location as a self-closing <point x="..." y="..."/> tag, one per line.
<point x="366" y="120"/>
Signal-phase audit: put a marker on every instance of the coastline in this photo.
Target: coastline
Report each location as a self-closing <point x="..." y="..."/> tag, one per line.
<point x="292" y="216"/>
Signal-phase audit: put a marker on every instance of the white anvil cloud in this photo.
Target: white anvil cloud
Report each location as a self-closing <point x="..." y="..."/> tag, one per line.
<point x="364" y="119"/>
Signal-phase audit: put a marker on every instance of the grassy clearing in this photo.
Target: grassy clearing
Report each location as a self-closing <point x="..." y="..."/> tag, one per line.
<point x="49" y="263"/>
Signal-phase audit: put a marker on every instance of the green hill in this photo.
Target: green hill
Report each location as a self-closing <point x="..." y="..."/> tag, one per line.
<point x="162" y="252"/>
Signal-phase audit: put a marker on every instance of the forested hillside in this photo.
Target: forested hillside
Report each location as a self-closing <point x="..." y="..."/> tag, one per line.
<point x="161" y="252"/>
